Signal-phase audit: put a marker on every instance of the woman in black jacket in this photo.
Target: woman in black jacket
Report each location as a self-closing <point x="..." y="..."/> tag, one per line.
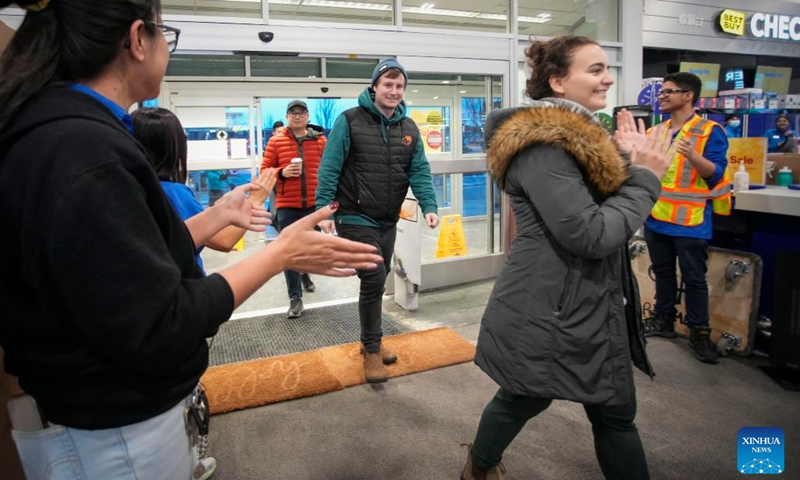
<point x="562" y="320"/>
<point x="103" y="311"/>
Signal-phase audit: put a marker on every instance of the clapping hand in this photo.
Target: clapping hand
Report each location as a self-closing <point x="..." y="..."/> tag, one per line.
<point x="655" y="154"/>
<point x="266" y="181"/>
<point x="685" y="148"/>
<point x="628" y="136"/>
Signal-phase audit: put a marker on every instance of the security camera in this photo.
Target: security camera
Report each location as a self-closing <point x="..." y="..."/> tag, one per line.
<point x="266" y="37"/>
<point x="324" y="89"/>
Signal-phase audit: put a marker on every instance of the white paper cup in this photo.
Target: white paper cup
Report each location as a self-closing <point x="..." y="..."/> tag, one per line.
<point x="296" y="161"/>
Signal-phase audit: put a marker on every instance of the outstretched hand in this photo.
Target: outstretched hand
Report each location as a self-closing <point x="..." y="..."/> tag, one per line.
<point x="628" y="135"/>
<point x="239" y="211"/>
<point x="303" y="249"/>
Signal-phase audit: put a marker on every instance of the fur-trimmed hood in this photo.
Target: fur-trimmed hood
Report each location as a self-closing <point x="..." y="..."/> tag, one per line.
<point x="559" y="123"/>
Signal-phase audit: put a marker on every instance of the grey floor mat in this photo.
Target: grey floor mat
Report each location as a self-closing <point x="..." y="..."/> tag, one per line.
<point x="271" y="335"/>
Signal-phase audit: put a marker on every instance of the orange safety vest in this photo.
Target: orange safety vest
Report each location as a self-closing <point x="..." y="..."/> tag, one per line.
<point x="684" y="192"/>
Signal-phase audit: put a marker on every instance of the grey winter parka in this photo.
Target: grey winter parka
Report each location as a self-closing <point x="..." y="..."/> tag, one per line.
<point x="563" y="318"/>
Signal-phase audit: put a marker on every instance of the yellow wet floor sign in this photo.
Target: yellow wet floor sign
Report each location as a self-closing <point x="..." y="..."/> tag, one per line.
<point x="451" y="238"/>
<point x="239" y="247"/>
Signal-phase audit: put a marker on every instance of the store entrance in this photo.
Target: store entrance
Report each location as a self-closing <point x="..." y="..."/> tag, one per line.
<point x="229" y="124"/>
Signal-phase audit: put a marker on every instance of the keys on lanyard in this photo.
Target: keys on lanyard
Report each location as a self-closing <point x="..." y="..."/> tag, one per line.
<point x="198" y="420"/>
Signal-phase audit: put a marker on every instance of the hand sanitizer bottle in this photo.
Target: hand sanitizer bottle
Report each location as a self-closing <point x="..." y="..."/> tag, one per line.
<point x="741" y="180"/>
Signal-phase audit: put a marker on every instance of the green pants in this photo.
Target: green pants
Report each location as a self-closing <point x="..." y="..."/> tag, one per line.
<point x="616" y="440"/>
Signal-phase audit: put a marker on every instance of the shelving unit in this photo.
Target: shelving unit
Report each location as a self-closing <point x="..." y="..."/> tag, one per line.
<point x="745" y="115"/>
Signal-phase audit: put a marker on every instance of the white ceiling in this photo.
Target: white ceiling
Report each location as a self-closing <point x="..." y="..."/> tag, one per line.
<point x="453" y="14"/>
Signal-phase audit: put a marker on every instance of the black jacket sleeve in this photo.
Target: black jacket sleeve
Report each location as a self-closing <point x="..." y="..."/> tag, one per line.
<point x="113" y="267"/>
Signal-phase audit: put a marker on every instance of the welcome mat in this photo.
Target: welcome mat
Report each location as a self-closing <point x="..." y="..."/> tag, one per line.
<point x="272" y="335"/>
<point x="259" y="382"/>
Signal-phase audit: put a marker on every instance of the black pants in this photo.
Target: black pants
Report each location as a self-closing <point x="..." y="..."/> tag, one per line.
<point x="370" y="297"/>
<point x="286" y="217"/>
<point x="616" y="441"/>
<point x="692" y="254"/>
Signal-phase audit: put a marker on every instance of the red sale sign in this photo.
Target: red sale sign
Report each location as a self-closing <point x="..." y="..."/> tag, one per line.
<point x="434" y="139"/>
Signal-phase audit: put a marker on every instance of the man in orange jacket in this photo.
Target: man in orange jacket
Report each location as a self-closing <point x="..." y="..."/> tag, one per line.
<point x="297" y="183"/>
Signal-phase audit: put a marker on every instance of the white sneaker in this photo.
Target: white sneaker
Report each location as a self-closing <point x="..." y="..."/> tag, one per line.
<point x="204" y="469"/>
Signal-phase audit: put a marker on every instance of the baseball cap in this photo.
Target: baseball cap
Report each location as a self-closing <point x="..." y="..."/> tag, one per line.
<point x="297" y="103"/>
<point x="384" y="66"/>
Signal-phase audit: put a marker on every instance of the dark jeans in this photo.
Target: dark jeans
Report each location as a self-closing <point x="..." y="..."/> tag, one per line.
<point x="213" y="196"/>
<point x="692" y="254"/>
<point x="616" y="441"/>
<point x="373" y="282"/>
<point x="286" y="217"/>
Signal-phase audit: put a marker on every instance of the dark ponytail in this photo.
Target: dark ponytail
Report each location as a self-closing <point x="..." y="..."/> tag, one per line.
<point x="162" y="135"/>
<point x="29" y="62"/>
<point x="550" y="59"/>
<point x="67" y="40"/>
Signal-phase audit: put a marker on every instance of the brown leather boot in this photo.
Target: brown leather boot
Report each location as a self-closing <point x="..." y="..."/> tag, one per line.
<point x="386" y="355"/>
<point x="471" y="472"/>
<point x="373" y="368"/>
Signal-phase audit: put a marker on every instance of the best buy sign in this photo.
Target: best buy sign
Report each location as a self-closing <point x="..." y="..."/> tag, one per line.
<point x="731" y="21"/>
<point x="762" y="25"/>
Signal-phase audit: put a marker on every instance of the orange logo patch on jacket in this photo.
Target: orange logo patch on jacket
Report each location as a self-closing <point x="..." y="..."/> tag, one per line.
<point x="407" y="140"/>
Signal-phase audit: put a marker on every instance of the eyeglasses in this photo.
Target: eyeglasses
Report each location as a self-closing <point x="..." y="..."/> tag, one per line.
<point x="299" y="114"/>
<point x="171" y="35"/>
<point x="665" y="92"/>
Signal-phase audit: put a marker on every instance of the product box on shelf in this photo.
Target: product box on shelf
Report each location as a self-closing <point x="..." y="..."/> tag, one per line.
<point x="737" y="102"/>
<point x="743" y="98"/>
<point x="742" y="91"/>
<point x="710" y="102"/>
<point x="772" y="103"/>
<point x="792" y="101"/>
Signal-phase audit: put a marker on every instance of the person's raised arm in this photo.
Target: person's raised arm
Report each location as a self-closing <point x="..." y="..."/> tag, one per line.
<point x="232" y="209"/>
<point x="554" y="184"/>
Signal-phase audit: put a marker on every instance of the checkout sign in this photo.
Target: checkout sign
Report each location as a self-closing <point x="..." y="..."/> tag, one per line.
<point x="762" y="25"/>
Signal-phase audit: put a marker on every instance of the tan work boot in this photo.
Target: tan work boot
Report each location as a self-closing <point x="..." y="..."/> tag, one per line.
<point x="386" y="355"/>
<point x="471" y="472"/>
<point x="373" y="368"/>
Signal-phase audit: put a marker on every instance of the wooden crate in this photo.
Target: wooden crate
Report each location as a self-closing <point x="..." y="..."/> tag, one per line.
<point x="732" y="304"/>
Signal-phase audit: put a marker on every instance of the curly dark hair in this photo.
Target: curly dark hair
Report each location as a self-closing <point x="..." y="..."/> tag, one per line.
<point x="550" y="59"/>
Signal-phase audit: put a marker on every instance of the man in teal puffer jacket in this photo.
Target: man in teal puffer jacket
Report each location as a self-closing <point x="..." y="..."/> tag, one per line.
<point x="374" y="153"/>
